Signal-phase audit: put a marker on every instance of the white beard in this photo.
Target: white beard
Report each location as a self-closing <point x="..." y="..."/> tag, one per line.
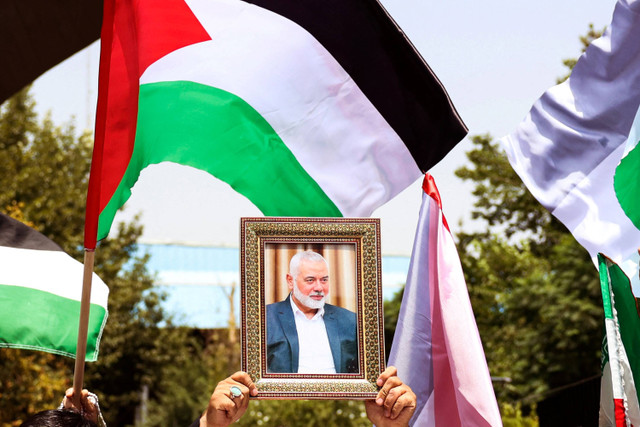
<point x="306" y="300"/>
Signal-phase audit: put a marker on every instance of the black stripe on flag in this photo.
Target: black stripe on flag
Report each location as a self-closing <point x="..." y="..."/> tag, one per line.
<point x="15" y="234"/>
<point x="381" y="60"/>
<point x="35" y="35"/>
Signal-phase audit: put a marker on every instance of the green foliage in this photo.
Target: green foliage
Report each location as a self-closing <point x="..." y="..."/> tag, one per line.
<point x="502" y="201"/>
<point x="314" y="413"/>
<point x="391" y="313"/>
<point x="187" y="383"/>
<point x="30" y="382"/>
<point x="533" y="288"/>
<point x="512" y="416"/>
<point x="44" y="184"/>
<point x="45" y="169"/>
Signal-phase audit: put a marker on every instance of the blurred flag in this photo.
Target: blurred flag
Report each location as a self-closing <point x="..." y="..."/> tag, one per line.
<point x="620" y="348"/>
<point x="40" y="291"/>
<point x="306" y="108"/>
<point x="436" y="346"/>
<point x="567" y="149"/>
<point x="36" y="35"/>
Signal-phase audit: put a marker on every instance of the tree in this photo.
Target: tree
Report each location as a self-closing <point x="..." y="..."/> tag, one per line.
<point x="44" y="184"/>
<point x="29" y="381"/>
<point x="45" y="170"/>
<point x="312" y="413"/>
<point x="391" y="314"/>
<point x="534" y="289"/>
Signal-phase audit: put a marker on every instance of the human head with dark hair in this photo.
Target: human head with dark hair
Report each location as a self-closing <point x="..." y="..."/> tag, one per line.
<point x="58" y="418"/>
<point x="85" y="413"/>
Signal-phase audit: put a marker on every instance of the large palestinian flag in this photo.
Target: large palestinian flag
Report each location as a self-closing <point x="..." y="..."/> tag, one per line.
<point x="307" y="108"/>
<point x="40" y="291"/>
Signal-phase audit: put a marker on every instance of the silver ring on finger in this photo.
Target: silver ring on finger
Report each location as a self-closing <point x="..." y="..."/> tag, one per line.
<point x="235" y="392"/>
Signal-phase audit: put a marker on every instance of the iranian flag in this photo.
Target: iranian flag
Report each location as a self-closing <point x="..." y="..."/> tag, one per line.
<point x="577" y="151"/>
<point x="40" y="291"/>
<point x="307" y="108"/>
<point x="620" y="348"/>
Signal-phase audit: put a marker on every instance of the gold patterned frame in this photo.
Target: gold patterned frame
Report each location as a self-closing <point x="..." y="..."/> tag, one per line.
<point x="364" y="234"/>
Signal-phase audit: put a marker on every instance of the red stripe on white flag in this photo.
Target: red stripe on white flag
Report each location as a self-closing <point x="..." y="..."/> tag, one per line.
<point x="436" y="347"/>
<point x="618" y="407"/>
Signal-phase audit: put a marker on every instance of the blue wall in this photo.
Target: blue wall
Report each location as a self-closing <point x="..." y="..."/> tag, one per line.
<point x="197" y="281"/>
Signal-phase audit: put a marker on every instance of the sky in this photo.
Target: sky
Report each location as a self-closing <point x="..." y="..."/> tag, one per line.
<point x="494" y="57"/>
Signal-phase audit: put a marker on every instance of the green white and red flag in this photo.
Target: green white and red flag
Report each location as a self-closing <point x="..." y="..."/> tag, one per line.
<point x="306" y="108"/>
<point x="40" y="292"/>
<point x="620" y="348"/>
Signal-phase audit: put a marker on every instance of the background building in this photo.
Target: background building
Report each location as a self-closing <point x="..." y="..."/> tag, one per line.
<point x="200" y="282"/>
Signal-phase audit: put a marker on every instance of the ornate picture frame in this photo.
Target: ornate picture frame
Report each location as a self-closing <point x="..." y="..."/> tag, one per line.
<point x="350" y="249"/>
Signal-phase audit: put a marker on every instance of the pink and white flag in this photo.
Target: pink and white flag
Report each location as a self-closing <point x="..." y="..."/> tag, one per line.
<point x="436" y="346"/>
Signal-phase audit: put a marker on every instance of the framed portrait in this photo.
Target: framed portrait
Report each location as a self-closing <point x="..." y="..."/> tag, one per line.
<point x="311" y="316"/>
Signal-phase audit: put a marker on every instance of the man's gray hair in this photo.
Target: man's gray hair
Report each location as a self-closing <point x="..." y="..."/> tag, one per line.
<point x="294" y="264"/>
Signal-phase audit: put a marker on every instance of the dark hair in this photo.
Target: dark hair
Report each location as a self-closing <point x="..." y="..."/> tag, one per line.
<point x="57" y="418"/>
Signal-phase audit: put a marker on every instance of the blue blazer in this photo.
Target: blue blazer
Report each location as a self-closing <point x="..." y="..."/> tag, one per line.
<point x="282" y="338"/>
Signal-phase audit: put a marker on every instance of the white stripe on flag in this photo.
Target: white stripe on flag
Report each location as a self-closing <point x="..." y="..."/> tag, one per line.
<point x="51" y="271"/>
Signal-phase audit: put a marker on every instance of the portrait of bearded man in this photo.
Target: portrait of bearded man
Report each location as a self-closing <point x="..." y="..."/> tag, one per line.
<point x="305" y="334"/>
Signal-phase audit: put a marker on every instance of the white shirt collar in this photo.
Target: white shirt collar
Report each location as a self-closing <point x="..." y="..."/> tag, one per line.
<point x="296" y="309"/>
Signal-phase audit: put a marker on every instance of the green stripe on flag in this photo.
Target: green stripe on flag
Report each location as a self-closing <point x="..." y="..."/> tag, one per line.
<point x="213" y="130"/>
<point x="626" y="182"/>
<point x="604" y="286"/>
<point x="628" y="318"/>
<point x="36" y="320"/>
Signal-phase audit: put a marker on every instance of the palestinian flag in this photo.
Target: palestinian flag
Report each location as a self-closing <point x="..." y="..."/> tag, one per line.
<point x="40" y="291"/>
<point x="620" y="348"/>
<point x="577" y="151"/>
<point x="307" y="108"/>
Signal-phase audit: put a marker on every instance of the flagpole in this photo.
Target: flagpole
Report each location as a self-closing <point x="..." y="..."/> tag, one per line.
<point x="83" y="326"/>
